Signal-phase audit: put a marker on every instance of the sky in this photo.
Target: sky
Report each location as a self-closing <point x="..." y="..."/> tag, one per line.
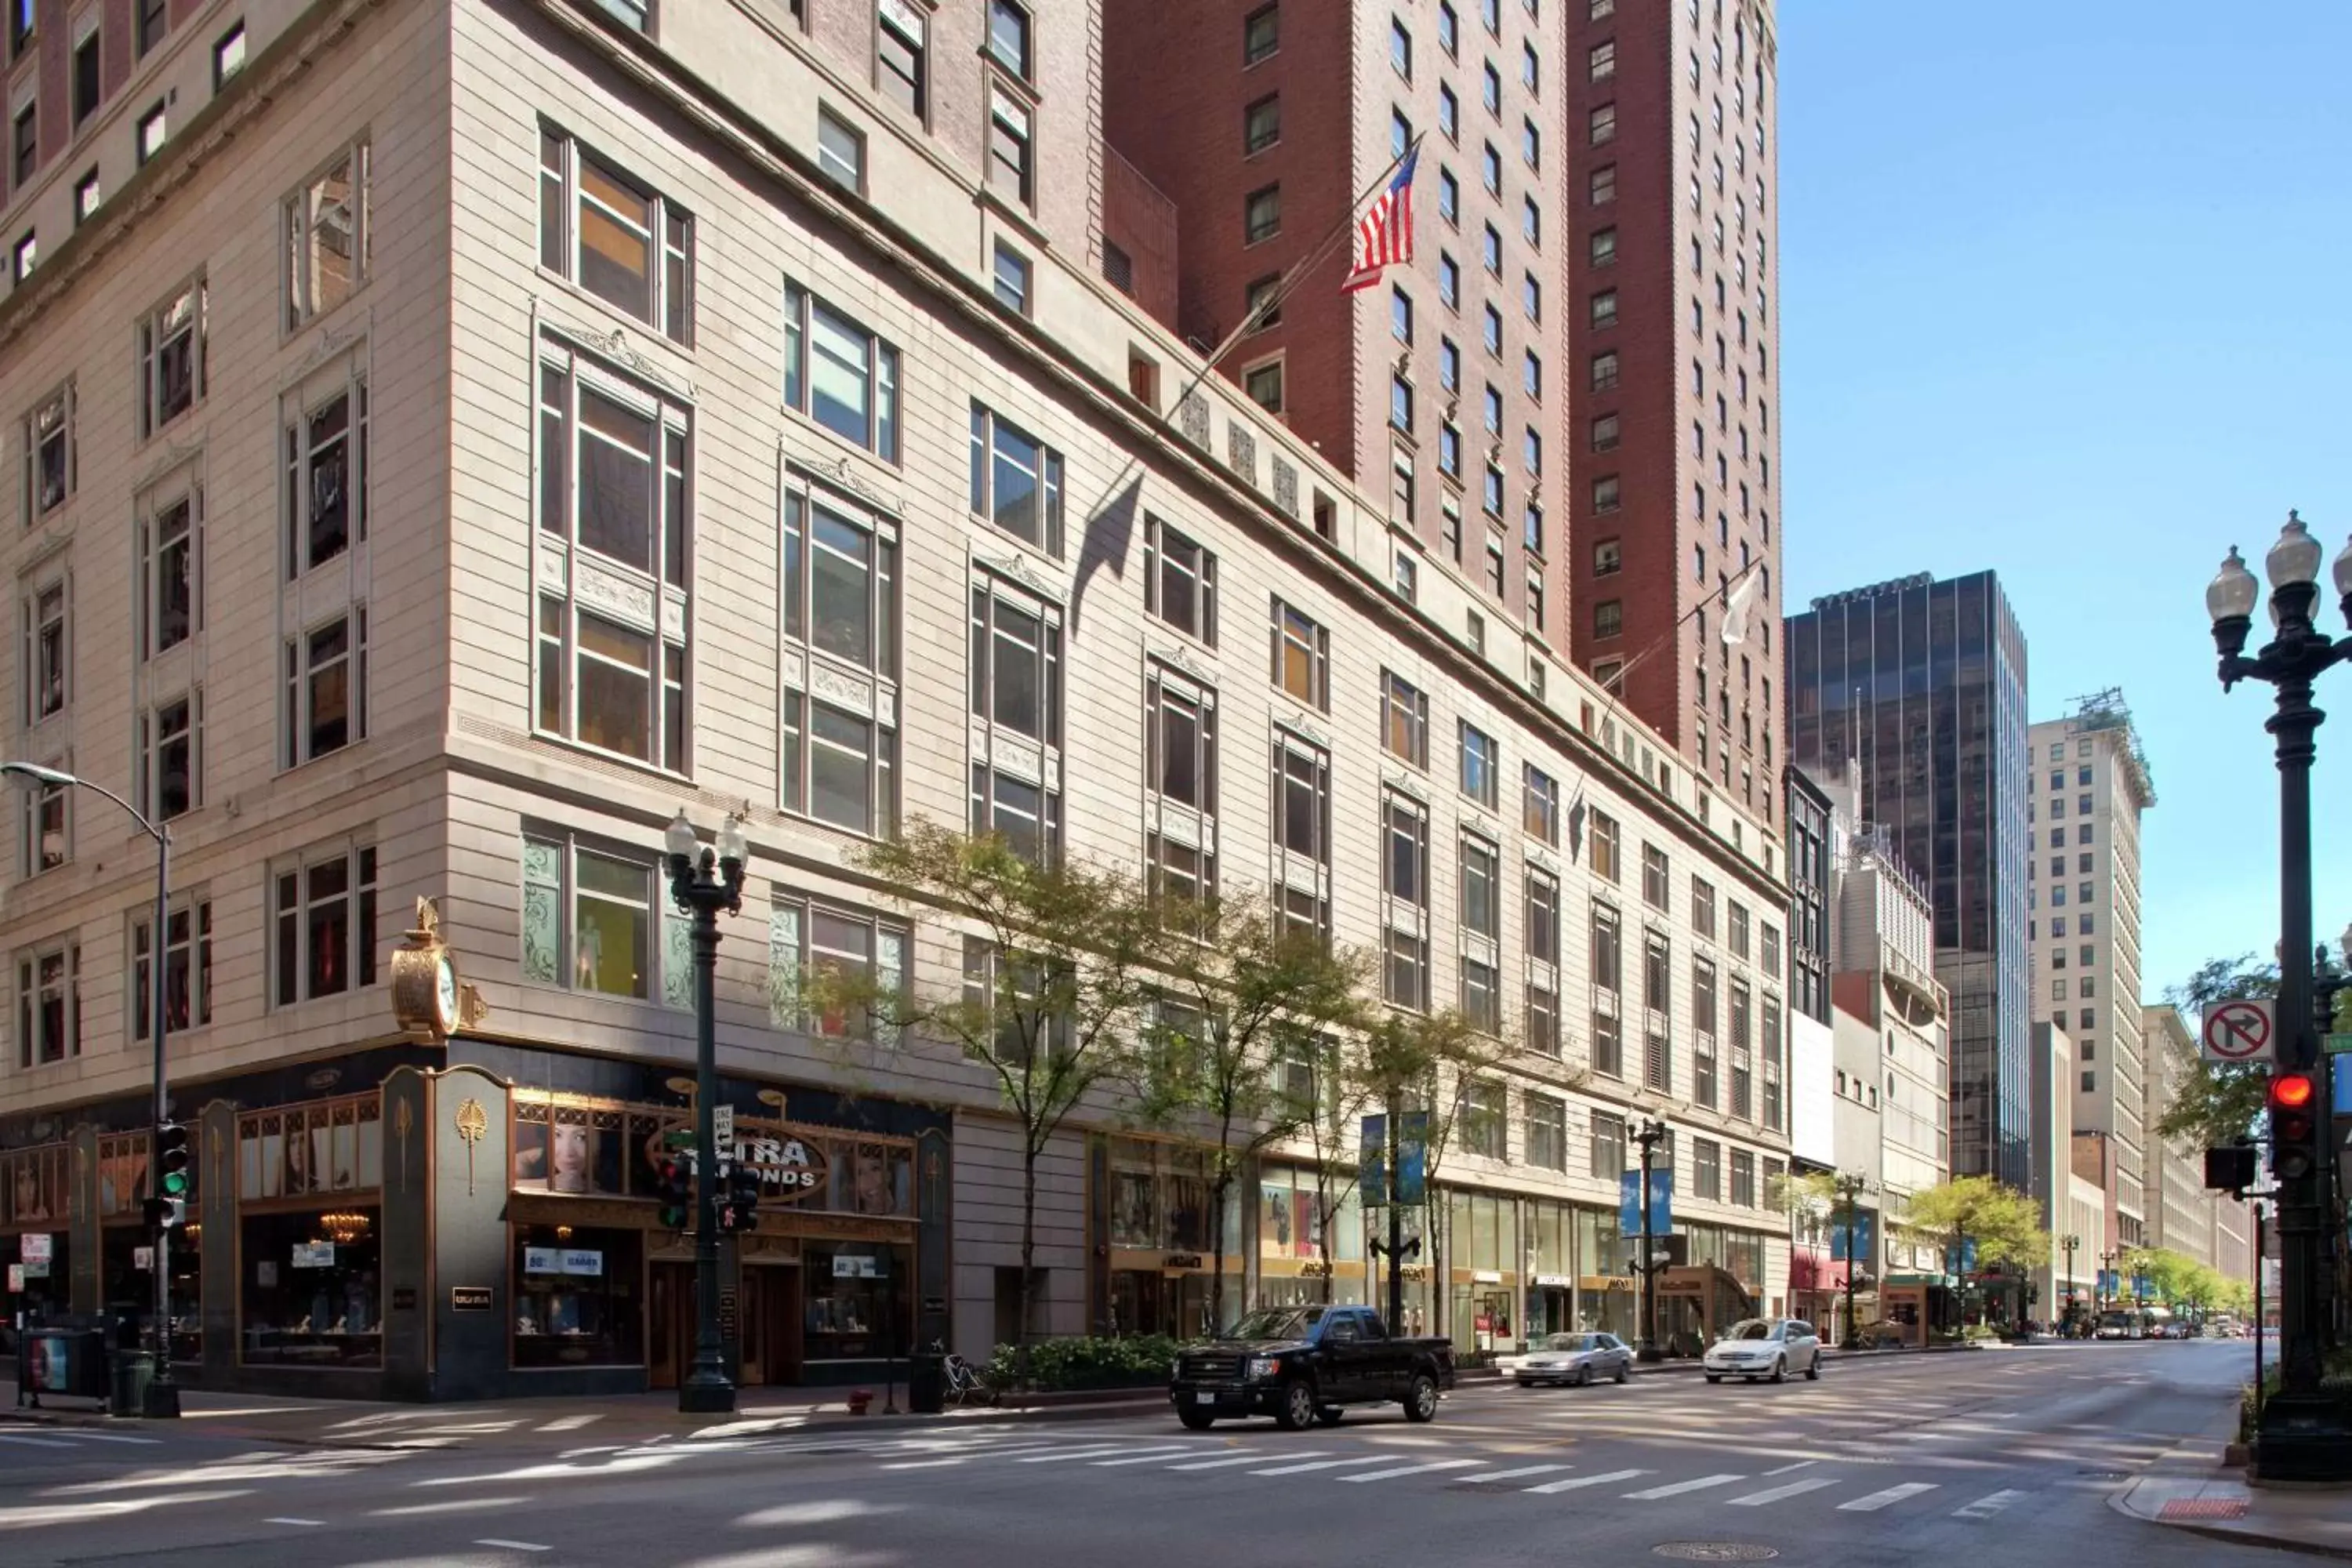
<point x="2063" y="295"/>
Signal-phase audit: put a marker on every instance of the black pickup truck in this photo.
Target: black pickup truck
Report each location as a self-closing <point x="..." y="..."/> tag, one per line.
<point x="1302" y="1364"/>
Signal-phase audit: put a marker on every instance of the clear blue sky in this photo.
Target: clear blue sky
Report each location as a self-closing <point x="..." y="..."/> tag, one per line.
<point x="2063" y="295"/>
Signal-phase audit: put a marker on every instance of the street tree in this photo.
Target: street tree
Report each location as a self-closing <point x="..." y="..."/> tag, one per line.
<point x="2003" y="1222"/>
<point x="1327" y="1094"/>
<point x="1049" y="1002"/>
<point x="2170" y="1276"/>
<point x="1239" y="998"/>
<point x="1437" y="1063"/>
<point x="2218" y="1104"/>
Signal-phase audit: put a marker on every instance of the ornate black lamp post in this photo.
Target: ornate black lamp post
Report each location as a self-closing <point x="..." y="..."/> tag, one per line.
<point x="1851" y="1186"/>
<point x="2066" y="1295"/>
<point x="1649" y="1135"/>
<point x="705" y="885"/>
<point x="2303" y="1434"/>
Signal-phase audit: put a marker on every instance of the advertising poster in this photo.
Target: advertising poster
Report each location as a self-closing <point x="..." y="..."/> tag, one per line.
<point x="1662" y="1204"/>
<point x="1413" y="1158"/>
<point x="1373" y="1164"/>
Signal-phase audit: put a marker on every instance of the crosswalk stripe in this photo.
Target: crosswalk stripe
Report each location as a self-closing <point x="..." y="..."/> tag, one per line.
<point x="1676" y="1488"/>
<point x="1987" y="1506"/>
<point x="920" y="1464"/>
<point x="1145" y="1456"/>
<point x="1774" y="1494"/>
<point x="1409" y="1471"/>
<point x="1573" y="1482"/>
<point x="1877" y="1501"/>
<point x="34" y="1442"/>
<point x="1248" y="1459"/>
<point x="115" y="1437"/>
<point x="1323" y="1465"/>
<point x="1511" y="1475"/>
<point x="1095" y="1451"/>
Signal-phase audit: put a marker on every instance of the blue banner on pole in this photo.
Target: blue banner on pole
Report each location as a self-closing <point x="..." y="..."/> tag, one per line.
<point x="1961" y="1260"/>
<point x="1866" y="1235"/>
<point x="1413" y="1158"/>
<point x="1373" y="1164"/>
<point x="1661" y="1205"/>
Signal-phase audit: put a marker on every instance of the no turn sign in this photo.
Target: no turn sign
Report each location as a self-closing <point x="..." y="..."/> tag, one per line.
<point x="2239" y="1032"/>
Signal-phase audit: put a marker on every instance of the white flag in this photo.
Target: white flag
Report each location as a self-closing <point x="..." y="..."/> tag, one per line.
<point x="1737" y="605"/>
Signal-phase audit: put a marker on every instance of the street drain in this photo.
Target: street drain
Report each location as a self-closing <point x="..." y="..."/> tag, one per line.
<point x="1715" y="1551"/>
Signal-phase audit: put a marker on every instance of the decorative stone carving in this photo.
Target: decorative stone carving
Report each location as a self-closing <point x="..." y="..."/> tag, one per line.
<point x="840" y="688"/>
<point x="594" y="585"/>
<point x="1241" y="451"/>
<point x="1193" y="419"/>
<point x="1179" y="657"/>
<point x="1305" y="729"/>
<point x="1286" y="486"/>
<point x="1016" y="567"/>
<point x="172" y="456"/>
<point x="1406" y="783"/>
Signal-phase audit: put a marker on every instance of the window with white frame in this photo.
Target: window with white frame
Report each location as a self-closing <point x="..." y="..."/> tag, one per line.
<point x="48" y="1004"/>
<point x="810" y="941"/>
<point x="1480" y="894"/>
<point x="1705" y="1084"/>
<point x="326" y="670"/>
<point x="1604" y="846"/>
<point x="171" y="561"/>
<point x="49" y="455"/>
<point x="1481" y="766"/>
<point x="1743" y="1065"/>
<point x="322" y="916"/>
<point x="326" y="456"/>
<point x="839" y="662"/>
<point x="326" y="237"/>
<point x="1017" y="481"/>
<point x="1541" y="936"/>
<point x="1404" y="720"/>
<point x="1011" y="147"/>
<point x="171" y="755"/>
<point x="1657" y="1008"/>
<point x="1179" y="716"/>
<point x="840" y="374"/>
<point x="599" y="918"/>
<point x="902" y="53"/>
<point x="613" y="534"/>
<point x="1540" y="815"/>
<point x="172" y="357"/>
<point x="187" y="968"/>
<point x="1179" y="581"/>
<point x="1016" y="701"/>
<point x="1485" y="1119"/>
<point x="1404" y="886"/>
<point x="1302" y="832"/>
<point x="1771" y="1044"/>
<point x="1300" y="656"/>
<point x="615" y="236"/>
<point x="46" y="606"/>
<point x="47" y="827"/>
<point x="1547" y="1147"/>
<point x="1608" y="1007"/>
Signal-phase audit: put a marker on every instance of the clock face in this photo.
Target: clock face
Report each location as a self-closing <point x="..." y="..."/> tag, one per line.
<point x="444" y="994"/>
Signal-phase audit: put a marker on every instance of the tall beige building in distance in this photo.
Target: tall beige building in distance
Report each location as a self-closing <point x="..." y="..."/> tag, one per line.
<point x="451" y="438"/>
<point x="2090" y="784"/>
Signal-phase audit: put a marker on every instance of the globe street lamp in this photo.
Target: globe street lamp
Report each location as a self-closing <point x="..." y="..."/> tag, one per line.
<point x="163" y="1398"/>
<point x="705" y="885"/>
<point x="2303" y="1434"/>
<point x="2068" y="1245"/>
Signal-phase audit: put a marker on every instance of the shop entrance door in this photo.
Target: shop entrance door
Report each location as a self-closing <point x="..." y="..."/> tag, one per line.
<point x="771" y="1349"/>
<point x="669" y="1325"/>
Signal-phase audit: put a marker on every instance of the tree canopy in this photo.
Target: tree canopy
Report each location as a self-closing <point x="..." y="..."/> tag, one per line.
<point x="2005" y="1223"/>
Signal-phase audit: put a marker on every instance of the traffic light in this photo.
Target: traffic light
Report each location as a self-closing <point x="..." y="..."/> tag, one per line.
<point x="2294" y="1111"/>
<point x="738" y="1197"/>
<point x="2230" y="1169"/>
<point x="168" y="1209"/>
<point x="674" y="1184"/>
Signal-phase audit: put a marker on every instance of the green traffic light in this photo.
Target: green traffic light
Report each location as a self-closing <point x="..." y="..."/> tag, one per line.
<point x="175" y="1184"/>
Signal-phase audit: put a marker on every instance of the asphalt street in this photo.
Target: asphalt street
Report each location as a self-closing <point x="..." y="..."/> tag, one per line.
<point x="2008" y="1454"/>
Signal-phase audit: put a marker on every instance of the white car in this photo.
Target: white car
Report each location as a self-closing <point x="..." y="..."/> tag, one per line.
<point x="1765" y="1347"/>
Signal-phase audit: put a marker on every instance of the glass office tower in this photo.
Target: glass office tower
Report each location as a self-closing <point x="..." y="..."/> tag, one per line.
<point x="1916" y="690"/>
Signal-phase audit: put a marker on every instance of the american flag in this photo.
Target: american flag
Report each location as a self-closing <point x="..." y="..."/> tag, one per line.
<point x="1384" y="234"/>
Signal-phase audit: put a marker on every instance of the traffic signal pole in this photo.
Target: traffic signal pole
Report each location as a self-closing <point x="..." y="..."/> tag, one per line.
<point x="163" y="1399"/>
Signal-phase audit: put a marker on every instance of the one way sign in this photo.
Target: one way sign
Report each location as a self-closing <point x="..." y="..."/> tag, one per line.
<point x="2240" y="1031"/>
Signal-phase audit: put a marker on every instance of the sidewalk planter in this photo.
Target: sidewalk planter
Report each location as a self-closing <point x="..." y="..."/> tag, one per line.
<point x="1101" y="1363"/>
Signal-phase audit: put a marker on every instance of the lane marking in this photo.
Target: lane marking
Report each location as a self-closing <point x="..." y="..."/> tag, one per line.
<point x="920" y="1464"/>
<point x="1146" y="1456"/>
<point x="1877" y="1501"/>
<point x="115" y="1437"/>
<point x="1095" y="1451"/>
<point x="35" y="1442"/>
<point x="1323" y="1465"/>
<point x="1511" y="1475"/>
<point x="1774" y="1494"/>
<point x="1676" y="1488"/>
<point x="1410" y="1470"/>
<point x="1799" y="1465"/>
<point x="512" y="1545"/>
<point x="1258" y="1457"/>
<point x="286" y="1519"/>
<point x="1576" y="1481"/>
<point x="1986" y="1507"/>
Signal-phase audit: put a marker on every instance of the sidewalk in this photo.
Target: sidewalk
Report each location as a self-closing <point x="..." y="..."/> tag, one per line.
<point x="2192" y="1493"/>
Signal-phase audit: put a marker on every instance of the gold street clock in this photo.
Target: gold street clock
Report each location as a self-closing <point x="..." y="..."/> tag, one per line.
<point x="427" y="998"/>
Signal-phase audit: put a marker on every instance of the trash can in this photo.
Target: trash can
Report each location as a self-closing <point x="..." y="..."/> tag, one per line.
<point x="132" y="1371"/>
<point x="926" y="1383"/>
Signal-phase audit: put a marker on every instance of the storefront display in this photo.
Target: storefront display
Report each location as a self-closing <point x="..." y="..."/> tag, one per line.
<point x="1294" y="1267"/>
<point x="1162" y="1242"/>
<point x="310" y="1274"/>
<point x="578" y="1297"/>
<point x="1482" y="1253"/>
<point x="851" y="1290"/>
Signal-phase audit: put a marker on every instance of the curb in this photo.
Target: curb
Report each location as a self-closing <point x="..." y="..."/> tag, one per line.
<point x="2243" y="1537"/>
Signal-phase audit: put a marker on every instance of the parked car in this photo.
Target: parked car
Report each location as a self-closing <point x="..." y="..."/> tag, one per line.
<point x="1302" y="1364"/>
<point x="1765" y="1347"/>
<point x="1578" y="1359"/>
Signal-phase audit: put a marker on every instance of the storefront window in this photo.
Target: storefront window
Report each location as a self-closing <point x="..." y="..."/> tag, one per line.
<point x="310" y="1292"/>
<point x="33" y="1187"/>
<point x="326" y="1146"/>
<point x="577" y="1297"/>
<point x="852" y="1288"/>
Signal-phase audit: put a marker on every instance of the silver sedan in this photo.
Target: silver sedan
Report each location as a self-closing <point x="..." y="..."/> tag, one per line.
<point x="1575" y="1358"/>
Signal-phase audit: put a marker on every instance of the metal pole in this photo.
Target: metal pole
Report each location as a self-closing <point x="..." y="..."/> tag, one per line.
<point x="2301" y="1219"/>
<point x="1396" y="1218"/>
<point x="707" y="1389"/>
<point x="1648" y="1138"/>
<point x="2258" y="1314"/>
<point x="163" y="1398"/>
<point x="1851" y="1328"/>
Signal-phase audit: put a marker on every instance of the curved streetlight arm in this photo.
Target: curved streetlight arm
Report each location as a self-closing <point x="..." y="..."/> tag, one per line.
<point x="37" y="774"/>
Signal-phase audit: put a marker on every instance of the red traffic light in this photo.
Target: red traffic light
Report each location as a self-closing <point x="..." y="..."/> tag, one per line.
<point x="2291" y="1092"/>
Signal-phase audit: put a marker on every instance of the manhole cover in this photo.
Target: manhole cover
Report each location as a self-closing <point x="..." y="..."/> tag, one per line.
<point x="1715" y="1550"/>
